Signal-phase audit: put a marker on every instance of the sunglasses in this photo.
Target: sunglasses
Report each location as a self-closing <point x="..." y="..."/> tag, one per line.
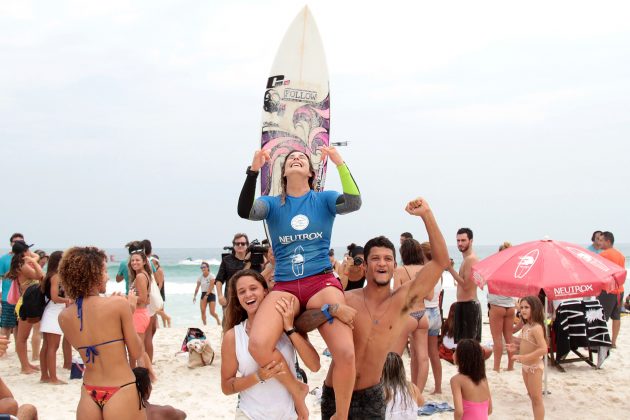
<point x="239" y="243"/>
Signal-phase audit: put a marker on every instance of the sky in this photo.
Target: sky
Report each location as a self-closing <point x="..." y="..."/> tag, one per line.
<point x="124" y="120"/>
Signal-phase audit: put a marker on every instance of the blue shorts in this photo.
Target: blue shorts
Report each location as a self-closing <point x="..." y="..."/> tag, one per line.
<point x="435" y="321"/>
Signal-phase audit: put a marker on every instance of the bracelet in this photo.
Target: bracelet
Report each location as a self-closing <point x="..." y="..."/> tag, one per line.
<point x="324" y="310"/>
<point x="289" y="331"/>
<point x="260" y="380"/>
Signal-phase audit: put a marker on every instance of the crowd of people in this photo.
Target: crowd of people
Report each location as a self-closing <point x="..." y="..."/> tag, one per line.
<point x="368" y="308"/>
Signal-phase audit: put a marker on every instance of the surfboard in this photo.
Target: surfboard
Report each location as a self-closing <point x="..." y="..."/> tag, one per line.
<point x="296" y="106"/>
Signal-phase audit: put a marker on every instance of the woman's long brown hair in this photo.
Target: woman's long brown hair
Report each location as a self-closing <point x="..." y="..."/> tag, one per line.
<point x="234" y="313"/>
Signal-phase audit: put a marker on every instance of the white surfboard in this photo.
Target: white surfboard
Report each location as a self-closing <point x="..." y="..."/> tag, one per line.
<point x="296" y="109"/>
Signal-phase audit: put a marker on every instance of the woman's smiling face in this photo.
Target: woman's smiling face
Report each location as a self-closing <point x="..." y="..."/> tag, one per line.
<point x="250" y="293"/>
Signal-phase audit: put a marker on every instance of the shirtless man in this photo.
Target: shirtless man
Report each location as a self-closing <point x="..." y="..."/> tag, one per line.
<point x="377" y="315"/>
<point x="467" y="308"/>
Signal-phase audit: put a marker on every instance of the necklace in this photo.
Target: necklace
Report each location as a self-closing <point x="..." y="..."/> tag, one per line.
<point x="375" y="321"/>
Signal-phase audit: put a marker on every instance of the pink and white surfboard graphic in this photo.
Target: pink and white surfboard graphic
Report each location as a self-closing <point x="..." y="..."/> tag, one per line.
<point x="525" y="264"/>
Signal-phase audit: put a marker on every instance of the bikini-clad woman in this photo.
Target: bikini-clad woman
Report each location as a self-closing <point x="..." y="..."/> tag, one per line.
<point x="101" y="329"/>
<point x="300" y="223"/>
<point x="418" y="323"/>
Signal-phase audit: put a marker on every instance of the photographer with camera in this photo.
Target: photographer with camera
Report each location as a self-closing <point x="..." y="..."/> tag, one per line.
<point x="230" y="264"/>
<point x="352" y="272"/>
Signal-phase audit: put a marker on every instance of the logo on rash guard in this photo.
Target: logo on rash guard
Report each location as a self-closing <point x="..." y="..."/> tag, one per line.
<point x="299" y="222"/>
<point x="287" y="239"/>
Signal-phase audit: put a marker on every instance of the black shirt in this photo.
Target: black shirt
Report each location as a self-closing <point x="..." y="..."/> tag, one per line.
<point x="229" y="266"/>
<point x="356" y="284"/>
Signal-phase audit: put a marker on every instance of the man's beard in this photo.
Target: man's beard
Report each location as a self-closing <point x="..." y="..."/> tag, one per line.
<point x="464" y="249"/>
<point x="379" y="284"/>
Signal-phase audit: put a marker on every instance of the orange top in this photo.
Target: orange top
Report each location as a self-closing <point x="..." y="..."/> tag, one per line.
<point x="611" y="254"/>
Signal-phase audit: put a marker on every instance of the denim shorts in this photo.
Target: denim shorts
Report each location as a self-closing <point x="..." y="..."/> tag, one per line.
<point x="435" y="321"/>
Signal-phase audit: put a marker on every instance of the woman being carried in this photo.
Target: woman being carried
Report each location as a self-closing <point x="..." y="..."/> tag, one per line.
<point x="240" y="373"/>
<point x="300" y="223"/>
<point x="418" y="323"/>
<point x="101" y="329"/>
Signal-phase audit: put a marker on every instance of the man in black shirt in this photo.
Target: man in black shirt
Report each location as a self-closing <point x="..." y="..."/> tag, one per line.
<point x="230" y="264"/>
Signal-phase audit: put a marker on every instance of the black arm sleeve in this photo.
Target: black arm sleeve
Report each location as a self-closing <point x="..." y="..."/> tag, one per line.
<point x="246" y="199"/>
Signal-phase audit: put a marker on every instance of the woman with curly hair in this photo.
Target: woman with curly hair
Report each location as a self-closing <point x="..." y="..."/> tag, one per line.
<point x="102" y="331"/>
<point x="26" y="270"/>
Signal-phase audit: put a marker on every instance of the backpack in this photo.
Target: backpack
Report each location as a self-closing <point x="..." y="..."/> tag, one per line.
<point x="191" y="334"/>
<point x="33" y="304"/>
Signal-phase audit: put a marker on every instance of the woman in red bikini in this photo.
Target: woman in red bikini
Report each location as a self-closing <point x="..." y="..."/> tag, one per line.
<point x="102" y="330"/>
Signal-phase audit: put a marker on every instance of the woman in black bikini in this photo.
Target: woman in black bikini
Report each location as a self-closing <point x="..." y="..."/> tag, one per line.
<point x="418" y="323"/>
<point x="101" y="329"/>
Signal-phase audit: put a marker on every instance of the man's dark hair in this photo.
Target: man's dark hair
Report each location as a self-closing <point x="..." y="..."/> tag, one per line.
<point x="16" y="235"/>
<point x="608" y="236"/>
<point x="379" y="241"/>
<point x="467" y="231"/>
<point x="406" y="235"/>
<point x="147" y="246"/>
<point x="143" y="381"/>
<point x="595" y="234"/>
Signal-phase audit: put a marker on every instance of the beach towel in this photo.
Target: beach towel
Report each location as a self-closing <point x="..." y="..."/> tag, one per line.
<point x="433" y="407"/>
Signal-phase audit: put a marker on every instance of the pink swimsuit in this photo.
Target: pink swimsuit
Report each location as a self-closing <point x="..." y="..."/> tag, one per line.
<point x="475" y="410"/>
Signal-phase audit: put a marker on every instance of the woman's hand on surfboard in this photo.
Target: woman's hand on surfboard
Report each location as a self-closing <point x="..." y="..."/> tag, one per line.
<point x="418" y="207"/>
<point x="332" y="153"/>
<point x="260" y="158"/>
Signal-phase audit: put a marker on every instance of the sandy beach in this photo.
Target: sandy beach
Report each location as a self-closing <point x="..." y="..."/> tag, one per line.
<point x="582" y="392"/>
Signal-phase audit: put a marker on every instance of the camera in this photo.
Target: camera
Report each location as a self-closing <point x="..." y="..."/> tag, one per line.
<point x="257" y="253"/>
<point x="357" y="260"/>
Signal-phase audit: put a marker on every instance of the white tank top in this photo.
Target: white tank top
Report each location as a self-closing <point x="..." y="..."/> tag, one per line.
<point x="397" y="410"/>
<point x="435" y="302"/>
<point x="205" y="282"/>
<point x="269" y="400"/>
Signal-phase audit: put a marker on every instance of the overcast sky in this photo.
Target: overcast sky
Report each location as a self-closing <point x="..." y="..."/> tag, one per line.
<point x="122" y="120"/>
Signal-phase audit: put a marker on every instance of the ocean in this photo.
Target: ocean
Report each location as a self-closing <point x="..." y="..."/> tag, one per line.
<point x="181" y="270"/>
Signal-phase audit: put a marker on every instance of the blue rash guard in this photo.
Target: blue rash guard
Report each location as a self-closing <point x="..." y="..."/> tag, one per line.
<point x="300" y="232"/>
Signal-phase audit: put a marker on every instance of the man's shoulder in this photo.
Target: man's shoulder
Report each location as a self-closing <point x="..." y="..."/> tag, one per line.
<point x="471" y="259"/>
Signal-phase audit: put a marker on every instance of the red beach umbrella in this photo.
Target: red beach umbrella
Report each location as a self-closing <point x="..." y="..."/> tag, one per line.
<point x="563" y="270"/>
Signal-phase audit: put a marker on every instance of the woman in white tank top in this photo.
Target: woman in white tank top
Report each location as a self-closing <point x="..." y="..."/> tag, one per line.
<point x="264" y="394"/>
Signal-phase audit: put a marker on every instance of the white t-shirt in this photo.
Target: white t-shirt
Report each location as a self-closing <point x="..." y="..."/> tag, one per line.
<point x="205" y="282"/>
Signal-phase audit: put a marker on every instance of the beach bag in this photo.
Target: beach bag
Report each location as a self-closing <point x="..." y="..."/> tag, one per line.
<point x="77" y="369"/>
<point x="155" y="298"/>
<point x="446" y="353"/>
<point x="191" y="334"/>
<point x="33" y="304"/>
<point x="200" y="353"/>
<point x="14" y="293"/>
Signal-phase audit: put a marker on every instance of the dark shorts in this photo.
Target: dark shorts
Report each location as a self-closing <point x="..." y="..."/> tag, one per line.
<point x="8" y="319"/>
<point x="366" y="404"/>
<point x="467" y="320"/>
<point x="611" y="302"/>
<point x="210" y="297"/>
<point x="304" y="289"/>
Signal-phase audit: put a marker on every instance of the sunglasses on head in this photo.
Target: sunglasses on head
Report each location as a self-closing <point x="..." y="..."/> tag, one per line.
<point x="240" y="243"/>
<point x="137" y="251"/>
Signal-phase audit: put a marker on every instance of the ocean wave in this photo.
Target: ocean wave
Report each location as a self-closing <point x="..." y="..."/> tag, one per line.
<point x="172" y="288"/>
<point x="190" y="261"/>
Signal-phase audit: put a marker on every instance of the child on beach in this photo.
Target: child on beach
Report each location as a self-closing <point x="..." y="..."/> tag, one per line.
<point x="401" y="396"/>
<point x="533" y="347"/>
<point x="471" y="393"/>
<point x="154" y="411"/>
<point x="271" y="391"/>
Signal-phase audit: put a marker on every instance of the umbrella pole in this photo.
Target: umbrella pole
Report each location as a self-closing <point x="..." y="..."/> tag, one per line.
<point x="548" y="337"/>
